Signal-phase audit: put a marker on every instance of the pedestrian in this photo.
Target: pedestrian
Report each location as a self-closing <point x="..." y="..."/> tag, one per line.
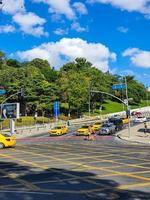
<point x="88" y="133"/>
<point x="93" y="134"/>
<point x="145" y="129"/>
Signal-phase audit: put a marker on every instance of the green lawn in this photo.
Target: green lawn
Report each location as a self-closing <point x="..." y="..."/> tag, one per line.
<point x="112" y="107"/>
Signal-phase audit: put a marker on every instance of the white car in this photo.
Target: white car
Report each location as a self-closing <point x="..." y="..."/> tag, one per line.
<point x="140" y="119"/>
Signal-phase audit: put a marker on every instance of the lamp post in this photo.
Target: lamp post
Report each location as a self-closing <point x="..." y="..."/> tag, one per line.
<point x="125" y="103"/>
<point x="128" y="108"/>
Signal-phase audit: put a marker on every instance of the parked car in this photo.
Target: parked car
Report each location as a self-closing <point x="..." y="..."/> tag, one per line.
<point x="58" y="130"/>
<point x="117" y="122"/>
<point x="136" y="114"/>
<point x="7" y="140"/>
<point x="140" y="119"/>
<point x="107" y="129"/>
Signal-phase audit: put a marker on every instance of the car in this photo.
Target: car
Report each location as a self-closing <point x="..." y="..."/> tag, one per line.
<point x="117" y="122"/>
<point x="7" y="140"/>
<point x="107" y="129"/>
<point x="97" y="125"/>
<point x="125" y="120"/>
<point x="140" y="119"/>
<point x="58" y="130"/>
<point x="136" y="114"/>
<point x="83" y="130"/>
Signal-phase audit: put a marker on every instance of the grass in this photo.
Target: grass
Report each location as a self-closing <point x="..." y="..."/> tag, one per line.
<point x="112" y="107"/>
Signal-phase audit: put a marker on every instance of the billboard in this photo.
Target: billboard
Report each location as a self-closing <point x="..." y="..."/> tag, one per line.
<point x="10" y="111"/>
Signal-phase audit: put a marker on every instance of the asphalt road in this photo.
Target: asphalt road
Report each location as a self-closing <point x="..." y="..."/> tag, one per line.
<point x="71" y="168"/>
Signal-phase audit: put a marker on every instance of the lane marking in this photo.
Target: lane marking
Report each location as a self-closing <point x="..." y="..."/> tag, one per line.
<point x="96" y="168"/>
<point x="134" y="185"/>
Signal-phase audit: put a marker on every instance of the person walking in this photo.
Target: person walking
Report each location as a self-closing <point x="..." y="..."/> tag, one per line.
<point x="145" y="129"/>
<point x="89" y="132"/>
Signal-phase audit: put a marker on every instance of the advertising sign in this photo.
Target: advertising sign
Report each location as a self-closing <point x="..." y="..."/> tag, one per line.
<point x="56" y="109"/>
<point x="10" y="111"/>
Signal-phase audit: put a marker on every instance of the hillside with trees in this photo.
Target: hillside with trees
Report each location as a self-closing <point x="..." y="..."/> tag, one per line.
<point x="70" y="85"/>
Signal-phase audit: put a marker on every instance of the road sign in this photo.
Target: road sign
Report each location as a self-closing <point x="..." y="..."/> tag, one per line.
<point x="10" y="111"/>
<point x="118" y="87"/>
<point x="2" y="92"/>
<point x="56" y="109"/>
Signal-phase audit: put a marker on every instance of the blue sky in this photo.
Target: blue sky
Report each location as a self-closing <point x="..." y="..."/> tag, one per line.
<point x="111" y="34"/>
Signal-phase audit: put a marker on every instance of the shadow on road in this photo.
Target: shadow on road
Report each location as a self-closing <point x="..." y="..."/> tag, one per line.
<point x="142" y="130"/>
<point x="20" y="182"/>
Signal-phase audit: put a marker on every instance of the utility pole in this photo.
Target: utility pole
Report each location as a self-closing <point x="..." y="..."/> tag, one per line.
<point x="89" y="101"/>
<point x="128" y="109"/>
<point x="147" y="96"/>
<point x="127" y="103"/>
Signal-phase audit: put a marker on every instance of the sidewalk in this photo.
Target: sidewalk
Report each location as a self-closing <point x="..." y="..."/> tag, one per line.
<point x="25" y="132"/>
<point x="136" y="134"/>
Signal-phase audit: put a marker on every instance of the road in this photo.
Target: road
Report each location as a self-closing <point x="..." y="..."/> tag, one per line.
<point x="69" y="167"/>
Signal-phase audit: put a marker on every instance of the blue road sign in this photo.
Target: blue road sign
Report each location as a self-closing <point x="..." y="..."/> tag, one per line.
<point x="2" y="92"/>
<point x="118" y="87"/>
<point x="56" y="109"/>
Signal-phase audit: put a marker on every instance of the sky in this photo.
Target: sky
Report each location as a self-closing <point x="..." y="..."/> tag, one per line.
<point x="114" y="35"/>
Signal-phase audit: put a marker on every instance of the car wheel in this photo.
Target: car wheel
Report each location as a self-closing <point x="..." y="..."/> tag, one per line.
<point x="1" y="145"/>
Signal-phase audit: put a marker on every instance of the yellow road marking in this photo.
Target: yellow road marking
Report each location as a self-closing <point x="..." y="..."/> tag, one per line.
<point x="134" y="185"/>
<point x="92" y="167"/>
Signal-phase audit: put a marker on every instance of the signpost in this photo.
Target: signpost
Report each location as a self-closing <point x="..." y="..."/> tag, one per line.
<point x="10" y="111"/>
<point x="2" y="92"/>
<point x="118" y="87"/>
<point x="56" y="109"/>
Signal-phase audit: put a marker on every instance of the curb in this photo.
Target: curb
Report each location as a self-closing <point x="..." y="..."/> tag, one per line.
<point x="134" y="142"/>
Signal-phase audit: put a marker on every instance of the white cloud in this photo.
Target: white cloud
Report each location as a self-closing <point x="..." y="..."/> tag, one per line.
<point x="60" y="31"/>
<point x="7" y="29"/>
<point x="122" y="29"/>
<point x="138" y="57"/>
<point x="80" y="7"/>
<point x="30" y="23"/>
<point x="61" y="7"/>
<point x="13" y="6"/>
<point x="58" y="53"/>
<point x="77" y="27"/>
<point x="141" y="6"/>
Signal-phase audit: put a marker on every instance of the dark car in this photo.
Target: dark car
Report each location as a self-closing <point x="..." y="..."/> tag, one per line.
<point x="107" y="129"/>
<point x="117" y="122"/>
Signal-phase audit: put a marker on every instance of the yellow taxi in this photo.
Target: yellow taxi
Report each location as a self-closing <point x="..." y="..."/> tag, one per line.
<point x="125" y="120"/>
<point x="58" y="130"/>
<point x="7" y="140"/>
<point x="97" y="125"/>
<point x="83" y="130"/>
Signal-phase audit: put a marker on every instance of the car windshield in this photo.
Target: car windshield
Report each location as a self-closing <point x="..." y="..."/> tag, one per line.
<point x="58" y="127"/>
<point x="84" y="126"/>
<point x="106" y="125"/>
<point x="98" y="123"/>
<point x="6" y="135"/>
